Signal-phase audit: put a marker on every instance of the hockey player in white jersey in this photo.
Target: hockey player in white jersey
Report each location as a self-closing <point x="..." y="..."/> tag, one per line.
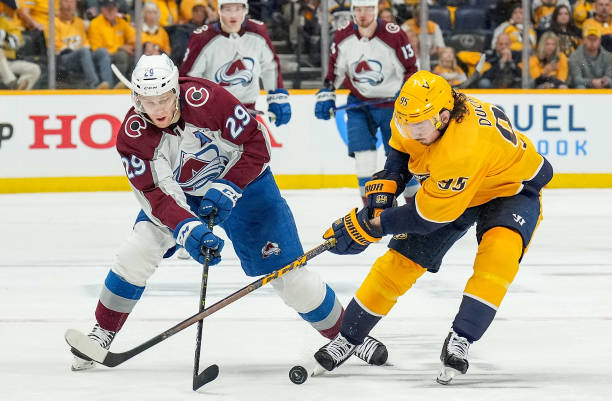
<point x="372" y="58"/>
<point x="190" y="149"/>
<point x="236" y="52"/>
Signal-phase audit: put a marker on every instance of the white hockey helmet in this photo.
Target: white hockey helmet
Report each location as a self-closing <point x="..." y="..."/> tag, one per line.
<point x="221" y="3"/>
<point x="153" y="76"/>
<point x="364" y="3"/>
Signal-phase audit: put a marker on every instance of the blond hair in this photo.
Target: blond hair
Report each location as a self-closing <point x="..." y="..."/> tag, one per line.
<point x="540" y="50"/>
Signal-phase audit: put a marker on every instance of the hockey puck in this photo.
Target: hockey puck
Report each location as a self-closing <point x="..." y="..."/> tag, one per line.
<point x="298" y="374"/>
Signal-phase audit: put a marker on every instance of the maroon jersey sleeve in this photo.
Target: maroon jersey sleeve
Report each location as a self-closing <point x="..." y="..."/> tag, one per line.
<point x="198" y="39"/>
<point x="339" y="36"/>
<point x="139" y="145"/>
<point x="222" y="111"/>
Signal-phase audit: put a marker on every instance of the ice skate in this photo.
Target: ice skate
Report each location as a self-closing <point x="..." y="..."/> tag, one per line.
<point x="100" y="336"/>
<point x="454" y="357"/>
<point x="334" y="353"/>
<point x="372" y="351"/>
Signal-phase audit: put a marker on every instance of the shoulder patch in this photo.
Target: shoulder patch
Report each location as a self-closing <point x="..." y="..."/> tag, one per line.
<point x="196" y="97"/>
<point x="392" y="28"/>
<point x="134" y="126"/>
<point x="201" y="29"/>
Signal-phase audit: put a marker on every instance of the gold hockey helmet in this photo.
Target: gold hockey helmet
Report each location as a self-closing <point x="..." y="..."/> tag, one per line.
<point x="422" y="97"/>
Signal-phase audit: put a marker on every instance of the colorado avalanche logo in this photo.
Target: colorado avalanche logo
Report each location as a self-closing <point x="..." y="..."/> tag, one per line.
<point x="271" y="248"/>
<point x="367" y="71"/>
<point x="239" y="71"/>
<point x="196" y="97"/>
<point x="195" y="170"/>
<point x="134" y="125"/>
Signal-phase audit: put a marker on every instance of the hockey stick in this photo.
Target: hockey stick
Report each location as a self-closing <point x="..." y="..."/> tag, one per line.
<point x="210" y="373"/>
<point x="121" y="77"/>
<point x="93" y="350"/>
<point x="350" y="106"/>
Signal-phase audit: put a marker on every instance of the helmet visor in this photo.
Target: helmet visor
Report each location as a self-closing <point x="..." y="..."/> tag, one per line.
<point x="413" y="130"/>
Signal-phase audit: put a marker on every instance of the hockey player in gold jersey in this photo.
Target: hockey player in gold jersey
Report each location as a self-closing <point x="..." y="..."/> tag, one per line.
<point x="474" y="168"/>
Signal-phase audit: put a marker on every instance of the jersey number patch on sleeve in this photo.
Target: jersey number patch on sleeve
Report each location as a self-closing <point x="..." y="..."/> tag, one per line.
<point x="407" y="51"/>
<point x="454" y="184"/>
<point x="238" y="121"/>
<point x="133" y="166"/>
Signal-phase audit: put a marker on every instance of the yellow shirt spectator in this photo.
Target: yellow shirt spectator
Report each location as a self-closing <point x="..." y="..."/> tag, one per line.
<point x="112" y="37"/>
<point x="7" y="25"/>
<point x="168" y="12"/>
<point x="70" y="35"/>
<point x="187" y="6"/>
<point x="159" y="38"/>
<point x="38" y="10"/>
<point x="582" y="10"/>
<point x="537" y="69"/>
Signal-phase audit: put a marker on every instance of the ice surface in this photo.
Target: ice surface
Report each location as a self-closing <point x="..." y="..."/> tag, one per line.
<point x="550" y="340"/>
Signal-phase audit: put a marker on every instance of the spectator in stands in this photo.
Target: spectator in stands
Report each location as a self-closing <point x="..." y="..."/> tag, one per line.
<point x="548" y="67"/>
<point x="73" y="51"/>
<point x="155" y="39"/>
<point x="562" y="25"/>
<point x="502" y="10"/>
<point x="583" y="9"/>
<point x="603" y="21"/>
<point x="14" y="73"/>
<point x="339" y="12"/>
<point x="168" y="12"/>
<point x="112" y="36"/>
<point x="591" y="65"/>
<point x="35" y="14"/>
<point x="435" y="41"/>
<point x="199" y="15"/>
<point x="502" y="66"/>
<point x="386" y="14"/>
<point x="448" y="68"/>
<point x="543" y="11"/>
<point x="188" y="7"/>
<point x="514" y="28"/>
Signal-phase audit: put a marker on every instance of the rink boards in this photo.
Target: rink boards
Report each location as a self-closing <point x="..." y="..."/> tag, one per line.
<point x="52" y="141"/>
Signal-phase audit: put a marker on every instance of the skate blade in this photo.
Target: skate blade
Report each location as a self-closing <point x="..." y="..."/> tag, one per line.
<point x="446" y="375"/>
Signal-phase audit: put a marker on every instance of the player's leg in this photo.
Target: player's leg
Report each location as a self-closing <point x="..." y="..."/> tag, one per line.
<point x="136" y="260"/>
<point x="361" y="144"/>
<point x="263" y="210"/>
<point x="391" y="276"/>
<point x="505" y="227"/>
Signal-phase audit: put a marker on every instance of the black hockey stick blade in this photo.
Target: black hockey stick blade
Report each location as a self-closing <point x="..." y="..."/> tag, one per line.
<point x="209" y="374"/>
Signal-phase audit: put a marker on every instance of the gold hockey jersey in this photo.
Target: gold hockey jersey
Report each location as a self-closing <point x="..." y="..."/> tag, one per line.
<point x="474" y="161"/>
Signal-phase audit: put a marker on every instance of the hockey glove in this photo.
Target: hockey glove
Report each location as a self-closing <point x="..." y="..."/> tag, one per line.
<point x="195" y="237"/>
<point x="382" y="190"/>
<point x="353" y="233"/>
<point x="220" y="199"/>
<point x="278" y="104"/>
<point x="326" y="102"/>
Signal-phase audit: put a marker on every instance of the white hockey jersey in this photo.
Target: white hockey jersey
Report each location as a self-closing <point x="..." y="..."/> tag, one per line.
<point x="235" y="61"/>
<point x="215" y="137"/>
<point x="372" y="68"/>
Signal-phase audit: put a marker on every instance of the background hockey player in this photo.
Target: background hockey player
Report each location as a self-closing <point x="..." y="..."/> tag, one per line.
<point x="372" y="59"/>
<point x="474" y="168"/>
<point x="236" y="53"/>
<point x="191" y="149"/>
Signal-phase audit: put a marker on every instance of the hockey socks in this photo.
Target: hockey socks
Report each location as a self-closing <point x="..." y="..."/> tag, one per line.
<point x="357" y="322"/>
<point x="117" y="300"/>
<point x="327" y="317"/>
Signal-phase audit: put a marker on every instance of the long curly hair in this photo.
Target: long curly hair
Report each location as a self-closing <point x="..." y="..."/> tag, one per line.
<point x="460" y="108"/>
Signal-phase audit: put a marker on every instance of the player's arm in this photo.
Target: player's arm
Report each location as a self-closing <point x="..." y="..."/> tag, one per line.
<point x="151" y="176"/>
<point x="386" y="185"/>
<point x="405" y="54"/>
<point x="244" y="130"/>
<point x="326" y="96"/>
<point x="198" y="39"/>
<point x="439" y="201"/>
